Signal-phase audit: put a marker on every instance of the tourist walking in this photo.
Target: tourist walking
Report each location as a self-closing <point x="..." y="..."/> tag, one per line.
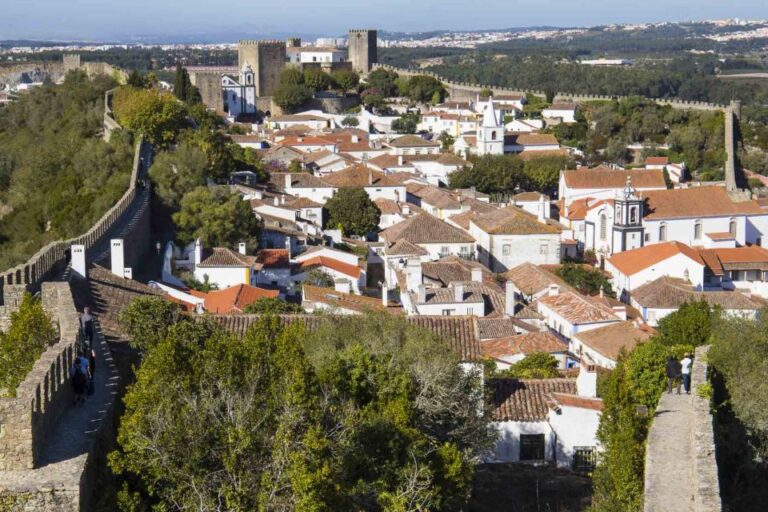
<point x="685" y="366"/>
<point x="86" y="322"/>
<point x="79" y="379"/>
<point x="673" y="374"/>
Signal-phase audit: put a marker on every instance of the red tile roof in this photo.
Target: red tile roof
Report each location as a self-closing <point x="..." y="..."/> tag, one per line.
<point x="609" y="340"/>
<point x="273" y="258"/>
<point x="636" y="260"/>
<point x="656" y="160"/>
<point x="523" y="344"/>
<point x="325" y="261"/>
<point x="694" y="202"/>
<point x="602" y="178"/>
<point x="526" y="400"/>
<point x="236" y="298"/>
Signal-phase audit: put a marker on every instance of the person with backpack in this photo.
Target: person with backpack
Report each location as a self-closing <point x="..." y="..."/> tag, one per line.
<point x="78" y="376"/>
<point x="673" y="374"/>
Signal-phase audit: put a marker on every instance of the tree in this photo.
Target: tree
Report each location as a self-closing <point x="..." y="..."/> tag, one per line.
<point x="374" y="102"/>
<point x="345" y="79"/>
<point x="290" y="419"/>
<point x="291" y="91"/>
<point x="588" y="281"/>
<point x="383" y="80"/>
<point x="135" y="79"/>
<point x="537" y="365"/>
<point x="175" y="173"/>
<point x="147" y="321"/>
<point x="353" y="211"/>
<point x="425" y="89"/>
<point x="30" y="333"/>
<point x="154" y="114"/>
<point x="183" y="88"/>
<point x="219" y="151"/>
<point x="217" y="216"/>
<point x="485" y="93"/>
<point x="446" y="140"/>
<point x="350" y="121"/>
<point x="491" y="174"/>
<point x="317" y="277"/>
<point x="406" y="123"/>
<point x="691" y="324"/>
<point x="272" y="306"/>
<point x="316" y="79"/>
<point x="544" y="173"/>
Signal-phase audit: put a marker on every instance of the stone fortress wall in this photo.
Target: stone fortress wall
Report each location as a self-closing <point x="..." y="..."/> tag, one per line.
<point x="363" y="49"/>
<point x="11" y="74"/>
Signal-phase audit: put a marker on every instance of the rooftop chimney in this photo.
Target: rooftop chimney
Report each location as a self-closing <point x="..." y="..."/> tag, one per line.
<point x="458" y="292"/>
<point x="198" y="252"/>
<point x="620" y="311"/>
<point x="370" y="176"/>
<point x="413" y="275"/>
<point x="78" y="260"/>
<point x="407" y="211"/>
<point x="586" y="382"/>
<point x="117" y="255"/>
<point x="282" y="198"/>
<point x="554" y="290"/>
<point x="384" y="295"/>
<point x="543" y="213"/>
<point x="355" y="139"/>
<point x="287" y="181"/>
<point x="422" y="294"/>
<point x="241" y="248"/>
<point x="276" y="201"/>
<point x="510" y="300"/>
<point x="400" y="160"/>
<point x="288" y="246"/>
<point x="477" y="274"/>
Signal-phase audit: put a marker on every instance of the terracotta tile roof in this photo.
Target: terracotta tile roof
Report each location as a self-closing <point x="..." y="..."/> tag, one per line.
<point x="360" y="175"/>
<point x="656" y="160"/>
<point x="670" y="293"/>
<point x="577" y="309"/>
<point x="609" y="340"/>
<point x="412" y="141"/>
<point x="462" y="219"/>
<point x="492" y="328"/>
<point x="542" y="341"/>
<point x="303" y="202"/>
<point x="236" y="298"/>
<point x="439" y="198"/>
<point x="273" y="258"/>
<point x="602" y="178"/>
<point x="720" y="236"/>
<point x="512" y="221"/>
<point x="405" y="248"/>
<point x="298" y="180"/>
<point x="458" y="332"/>
<point x="425" y="229"/>
<point x="531" y="139"/>
<point x="310" y="140"/>
<point x="441" y="158"/>
<point x="447" y="296"/>
<point x="563" y="105"/>
<point x="636" y="260"/>
<point x="388" y="206"/>
<point x="225" y="257"/>
<point x="581" y="402"/>
<point x="750" y="257"/>
<point x="531" y="279"/>
<point x="528" y="196"/>
<point x="695" y="202"/>
<point x="526" y="400"/>
<point x="325" y="261"/>
<point x="349" y="301"/>
<point x="452" y="269"/>
<point x="477" y="206"/>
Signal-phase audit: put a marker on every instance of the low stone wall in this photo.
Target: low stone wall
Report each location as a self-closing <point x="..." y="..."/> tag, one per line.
<point x="27" y="418"/>
<point x="707" y="491"/>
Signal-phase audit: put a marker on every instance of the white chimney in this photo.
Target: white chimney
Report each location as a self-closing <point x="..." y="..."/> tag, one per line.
<point x="620" y="311"/>
<point x="241" y="248"/>
<point x="288" y="246"/>
<point x="343" y="286"/>
<point x="458" y="293"/>
<point x="586" y="382"/>
<point x="510" y="300"/>
<point x="384" y="295"/>
<point x="543" y="213"/>
<point x="118" y="257"/>
<point x="128" y="273"/>
<point x="407" y="211"/>
<point x="198" y="256"/>
<point x="400" y="160"/>
<point x="422" y="294"/>
<point x="370" y="176"/>
<point x="477" y="274"/>
<point x="413" y="276"/>
<point x="355" y="139"/>
<point x="276" y="201"/>
<point x="78" y="260"/>
<point x="287" y="182"/>
<point x="282" y="198"/>
<point x="554" y="290"/>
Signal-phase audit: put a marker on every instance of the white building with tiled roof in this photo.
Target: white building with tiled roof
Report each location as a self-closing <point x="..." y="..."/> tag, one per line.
<point x="412" y="145"/>
<point x="438" y="238"/>
<point x="223" y="267"/>
<point x="569" y="313"/>
<point x="603" y="345"/>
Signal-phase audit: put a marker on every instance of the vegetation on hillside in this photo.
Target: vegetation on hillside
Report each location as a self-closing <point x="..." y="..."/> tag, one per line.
<point x="30" y="333"/>
<point x="352" y="211"/>
<point x="286" y="419"/>
<point x="509" y="174"/>
<point x="57" y="175"/>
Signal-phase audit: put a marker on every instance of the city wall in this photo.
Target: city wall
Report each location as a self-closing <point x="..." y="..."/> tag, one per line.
<point x="462" y="91"/>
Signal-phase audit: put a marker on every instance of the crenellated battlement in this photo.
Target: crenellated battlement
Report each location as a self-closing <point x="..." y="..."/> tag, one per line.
<point x="261" y="42"/>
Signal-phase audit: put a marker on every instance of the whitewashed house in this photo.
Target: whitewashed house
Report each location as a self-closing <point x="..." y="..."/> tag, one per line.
<point x="437" y="238"/>
<point x="223" y="267"/>
<point x="602" y="346"/>
<point x="560" y="112"/>
<point x="569" y="313"/>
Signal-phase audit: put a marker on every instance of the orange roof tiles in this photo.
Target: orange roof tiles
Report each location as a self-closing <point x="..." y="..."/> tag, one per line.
<point x="602" y="178"/>
<point x="581" y="402"/>
<point x="273" y="258"/>
<point x="526" y="399"/>
<point x="523" y="344"/>
<point x="333" y="264"/>
<point x="236" y="298"/>
<point x="694" y="202"/>
<point x="609" y="340"/>
<point x="359" y="303"/>
<point x="636" y="260"/>
<point x="577" y="309"/>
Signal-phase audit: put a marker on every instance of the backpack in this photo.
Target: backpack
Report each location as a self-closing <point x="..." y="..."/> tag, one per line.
<point x="79" y="379"/>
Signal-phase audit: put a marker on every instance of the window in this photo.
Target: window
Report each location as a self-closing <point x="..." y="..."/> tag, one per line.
<point x="603" y="227"/>
<point x="464" y="249"/>
<point x="584" y="458"/>
<point x="633" y="215"/>
<point x="697" y="230"/>
<point x="531" y="446"/>
<point x="445" y="250"/>
<point x="543" y="248"/>
<point x="493" y="135"/>
<point x="506" y="250"/>
<point x="447" y="312"/>
<point x="663" y="232"/>
<point x="732" y="227"/>
<point x="647" y="237"/>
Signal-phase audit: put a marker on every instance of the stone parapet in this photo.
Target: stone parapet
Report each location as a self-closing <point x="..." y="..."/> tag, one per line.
<point x="706" y="482"/>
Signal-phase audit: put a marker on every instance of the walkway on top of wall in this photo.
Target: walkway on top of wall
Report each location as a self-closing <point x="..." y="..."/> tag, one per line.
<point x="669" y="482"/>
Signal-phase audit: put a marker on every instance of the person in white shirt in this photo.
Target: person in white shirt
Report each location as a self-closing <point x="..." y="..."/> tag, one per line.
<point x="685" y="366"/>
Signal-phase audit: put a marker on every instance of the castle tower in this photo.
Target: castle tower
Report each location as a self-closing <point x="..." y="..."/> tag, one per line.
<point x="266" y="59"/>
<point x="293" y="42"/>
<point x="490" y="134"/>
<point x="735" y="183"/>
<point x="363" y="49"/>
<point x="71" y="62"/>
<point x="628" y="228"/>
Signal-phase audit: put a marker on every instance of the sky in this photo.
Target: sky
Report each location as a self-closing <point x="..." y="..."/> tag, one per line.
<point x="112" y="20"/>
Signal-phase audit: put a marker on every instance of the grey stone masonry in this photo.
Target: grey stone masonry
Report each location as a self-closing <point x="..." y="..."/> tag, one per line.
<point x="707" y="485"/>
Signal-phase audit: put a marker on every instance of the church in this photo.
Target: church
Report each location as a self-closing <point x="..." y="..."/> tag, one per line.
<point x="239" y="92"/>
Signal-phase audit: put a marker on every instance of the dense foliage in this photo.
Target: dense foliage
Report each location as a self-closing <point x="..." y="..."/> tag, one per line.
<point x="147" y="319"/>
<point x="292" y="92"/>
<point x="536" y="365"/>
<point x="586" y="279"/>
<point x="156" y="115"/>
<point x="509" y="174"/>
<point x="366" y="413"/>
<point x="637" y="380"/>
<point x="178" y="172"/>
<point x="272" y="306"/>
<point x="351" y="210"/>
<point x="691" y="324"/>
<point x="30" y="333"/>
<point x="57" y="175"/>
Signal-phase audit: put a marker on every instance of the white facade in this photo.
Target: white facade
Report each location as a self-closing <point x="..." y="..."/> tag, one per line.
<point x="239" y="97"/>
<point x="490" y="135"/>
<point x="223" y="277"/>
<point x="564" y="115"/>
<point x="502" y="252"/>
<point x="678" y="266"/>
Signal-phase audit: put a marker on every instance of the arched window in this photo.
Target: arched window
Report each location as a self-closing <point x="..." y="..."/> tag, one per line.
<point x="493" y="135"/>
<point x="687" y="275"/>
<point x="603" y="227"/>
<point x="732" y="227"/>
<point x="697" y="230"/>
<point x="633" y="215"/>
<point x="663" y="232"/>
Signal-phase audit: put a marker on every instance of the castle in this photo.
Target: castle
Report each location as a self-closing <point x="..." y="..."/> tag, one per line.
<point x="248" y="88"/>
